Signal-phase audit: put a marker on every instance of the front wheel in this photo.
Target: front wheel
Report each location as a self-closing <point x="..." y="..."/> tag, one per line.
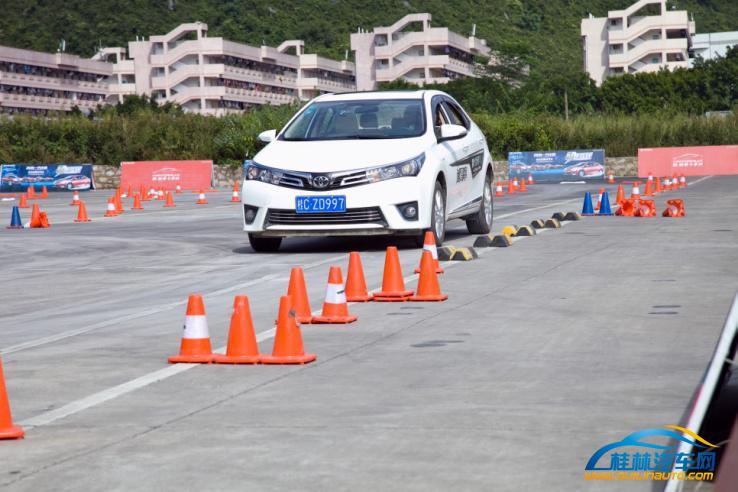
<point x="264" y="244"/>
<point x="481" y="222"/>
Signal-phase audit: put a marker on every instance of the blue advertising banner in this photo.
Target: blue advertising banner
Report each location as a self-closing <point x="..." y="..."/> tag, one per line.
<point x="559" y="165"/>
<point x="56" y="177"/>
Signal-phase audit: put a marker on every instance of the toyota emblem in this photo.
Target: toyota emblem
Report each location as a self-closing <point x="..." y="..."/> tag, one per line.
<point x="321" y="181"/>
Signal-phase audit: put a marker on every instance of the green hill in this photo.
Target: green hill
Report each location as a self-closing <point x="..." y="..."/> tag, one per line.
<point x="544" y="33"/>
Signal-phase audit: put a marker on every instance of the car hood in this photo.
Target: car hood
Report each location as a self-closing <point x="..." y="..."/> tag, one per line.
<point x="338" y="155"/>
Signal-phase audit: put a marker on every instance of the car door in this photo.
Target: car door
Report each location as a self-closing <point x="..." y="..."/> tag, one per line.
<point x="450" y="153"/>
<point x="469" y="163"/>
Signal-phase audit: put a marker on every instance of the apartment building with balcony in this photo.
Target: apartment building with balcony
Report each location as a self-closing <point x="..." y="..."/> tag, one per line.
<point x="645" y="37"/>
<point x="412" y="50"/>
<point x="712" y="45"/>
<point x="39" y="83"/>
<point x="216" y="76"/>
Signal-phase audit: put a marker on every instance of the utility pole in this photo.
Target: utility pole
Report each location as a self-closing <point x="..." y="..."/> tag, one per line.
<point x="566" y="104"/>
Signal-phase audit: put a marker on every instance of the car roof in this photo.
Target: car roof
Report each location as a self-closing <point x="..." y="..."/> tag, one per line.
<point x="373" y="95"/>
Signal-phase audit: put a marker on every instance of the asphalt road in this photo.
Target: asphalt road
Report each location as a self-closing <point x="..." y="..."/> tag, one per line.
<point x="544" y="352"/>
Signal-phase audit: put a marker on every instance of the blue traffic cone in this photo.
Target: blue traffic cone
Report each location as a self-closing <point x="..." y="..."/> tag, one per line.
<point x="15" y="219"/>
<point x="605" y="205"/>
<point x="587" y="207"/>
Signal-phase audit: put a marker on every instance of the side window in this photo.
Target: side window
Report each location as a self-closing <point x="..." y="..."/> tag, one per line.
<point x="439" y="116"/>
<point x="455" y="114"/>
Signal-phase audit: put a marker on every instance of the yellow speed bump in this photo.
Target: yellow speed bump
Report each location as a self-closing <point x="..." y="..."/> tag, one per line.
<point x="524" y="231"/>
<point x="452" y="253"/>
<point x="537" y="224"/>
<point x="552" y="224"/>
<point x="559" y="216"/>
<point x="509" y="230"/>
<point x="490" y="241"/>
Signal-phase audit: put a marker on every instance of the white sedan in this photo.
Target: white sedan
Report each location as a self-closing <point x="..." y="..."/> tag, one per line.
<point x="369" y="163"/>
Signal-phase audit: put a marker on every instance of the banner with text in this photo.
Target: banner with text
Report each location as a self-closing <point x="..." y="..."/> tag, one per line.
<point x="56" y="177"/>
<point x="559" y="165"/>
<point x="190" y="175"/>
<point x="690" y="161"/>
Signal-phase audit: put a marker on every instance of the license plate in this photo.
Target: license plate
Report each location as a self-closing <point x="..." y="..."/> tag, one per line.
<point x="320" y="204"/>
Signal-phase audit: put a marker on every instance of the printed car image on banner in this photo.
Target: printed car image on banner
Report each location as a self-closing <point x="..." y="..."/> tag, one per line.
<point x="558" y="165"/>
<point x="166" y="175"/>
<point x="690" y="161"/>
<point x="56" y="177"/>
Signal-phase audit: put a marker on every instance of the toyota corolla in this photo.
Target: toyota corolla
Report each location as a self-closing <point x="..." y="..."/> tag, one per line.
<point x="397" y="163"/>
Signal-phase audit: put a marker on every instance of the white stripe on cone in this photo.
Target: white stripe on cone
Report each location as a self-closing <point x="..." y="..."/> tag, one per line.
<point x="636" y="190"/>
<point x="335" y="294"/>
<point x="196" y="327"/>
<point x="432" y="249"/>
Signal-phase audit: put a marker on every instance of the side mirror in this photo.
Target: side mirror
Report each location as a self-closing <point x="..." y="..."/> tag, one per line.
<point x="451" y="132"/>
<point x="268" y="136"/>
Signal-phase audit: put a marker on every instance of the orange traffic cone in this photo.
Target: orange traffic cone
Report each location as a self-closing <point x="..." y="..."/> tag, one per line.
<point x="599" y="198"/>
<point x="523" y="188"/>
<point x="335" y="309"/>
<point x="627" y="207"/>
<point x="645" y="208"/>
<point x="170" y="200"/>
<point x="355" y="282"/>
<point x="31" y="192"/>
<point x="43" y="220"/>
<point x="515" y="183"/>
<point x="288" y="348"/>
<point x="635" y="192"/>
<point x="178" y="188"/>
<point x="510" y="187"/>
<point x="610" y="178"/>
<point x="393" y="286"/>
<point x="648" y="191"/>
<point x="428" y="286"/>
<point x="44" y="192"/>
<point x="110" y="212"/>
<point x="299" y="296"/>
<point x="242" y="346"/>
<point x="650" y="177"/>
<point x="201" y="200"/>
<point x="129" y="193"/>
<point x="674" y="208"/>
<point x="136" y="202"/>
<point x="195" y="347"/>
<point x="429" y="244"/>
<point x="144" y="194"/>
<point x="498" y="190"/>
<point x="234" y="196"/>
<point x="118" y="204"/>
<point x="657" y="186"/>
<point x="75" y="198"/>
<point x="7" y="429"/>
<point x="23" y="201"/>
<point x="35" y="216"/>
<point x="530" y="179"/>
<point x="82" y="213"/>
<point x="682" y="181"/>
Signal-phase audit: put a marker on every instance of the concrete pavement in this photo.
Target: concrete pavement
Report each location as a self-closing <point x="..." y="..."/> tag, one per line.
<point x="544" y="352"/>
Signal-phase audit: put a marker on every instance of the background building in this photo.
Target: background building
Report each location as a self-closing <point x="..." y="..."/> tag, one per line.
<point x="412" y="50"/>
<point x="36" y="83"/>
<point x="216" y="76"/>
<point x="645" y="37"/>
<point x="711" y="45"/>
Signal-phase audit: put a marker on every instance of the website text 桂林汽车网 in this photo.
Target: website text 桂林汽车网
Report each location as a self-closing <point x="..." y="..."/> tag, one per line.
<point x="644" y="455"/>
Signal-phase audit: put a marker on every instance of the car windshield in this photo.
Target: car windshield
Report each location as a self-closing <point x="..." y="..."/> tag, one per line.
<point x="368" y="119"/>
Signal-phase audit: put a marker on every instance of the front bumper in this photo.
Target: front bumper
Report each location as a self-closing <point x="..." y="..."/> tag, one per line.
<point x="371" y="209"/>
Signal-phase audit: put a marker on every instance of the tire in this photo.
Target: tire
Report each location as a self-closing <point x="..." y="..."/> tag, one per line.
<point x="481" y="222"/>
<point x="439" y="193"/>
<point x="264" y="244"/>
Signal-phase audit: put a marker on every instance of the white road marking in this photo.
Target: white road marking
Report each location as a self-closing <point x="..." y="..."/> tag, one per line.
<point x="154" y="310"/>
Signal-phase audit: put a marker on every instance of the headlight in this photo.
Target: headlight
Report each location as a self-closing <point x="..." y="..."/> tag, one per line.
<point x="256" y="172"/>
<point x="410" y="167"/>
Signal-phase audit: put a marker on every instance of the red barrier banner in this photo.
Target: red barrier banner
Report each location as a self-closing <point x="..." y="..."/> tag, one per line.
<point x="166" y="175"/>
<point x="690" y="161"/>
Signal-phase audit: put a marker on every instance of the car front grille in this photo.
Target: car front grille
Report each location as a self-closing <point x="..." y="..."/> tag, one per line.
<point x="352" y="216"/>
